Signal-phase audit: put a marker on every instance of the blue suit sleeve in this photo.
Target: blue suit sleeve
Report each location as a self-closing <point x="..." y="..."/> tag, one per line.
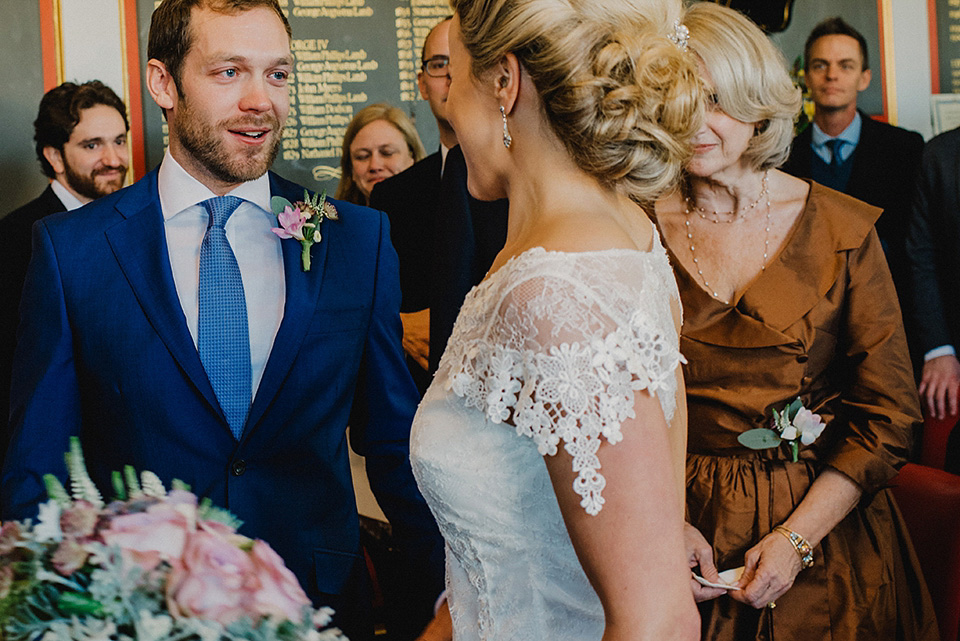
<point x="385" y="402"/>
<point x="44" y="395"/>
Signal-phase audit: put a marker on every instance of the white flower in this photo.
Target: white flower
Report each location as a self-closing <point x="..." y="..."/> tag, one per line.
<point x="789" y="433"/>
<point x="151" y="628"/>
<point x="809" y="425"/>
<point x="48" y="526"/>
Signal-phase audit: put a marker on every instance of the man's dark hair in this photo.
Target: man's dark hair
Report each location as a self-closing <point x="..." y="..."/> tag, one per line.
<point x="60" y="110"/>
<point x="170" y="36"/>
<point x="835" y="26"/>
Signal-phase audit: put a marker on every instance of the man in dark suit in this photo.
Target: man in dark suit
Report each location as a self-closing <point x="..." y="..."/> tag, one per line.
<point x="446" y="240"/>
<point x="81" y="136"/>
<point x="847" y="150"/>
<point x="933" y="245"/>
<point x="169" y="328"/>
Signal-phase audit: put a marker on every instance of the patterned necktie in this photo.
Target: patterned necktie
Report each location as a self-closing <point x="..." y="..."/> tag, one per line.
<point x="835" y="144"/>
<point x="223" y="339"/>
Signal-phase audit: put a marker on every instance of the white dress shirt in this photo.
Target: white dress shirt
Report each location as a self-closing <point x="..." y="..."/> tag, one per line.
<point x="444" y="150"/>
<point x="69" y="201"/>
<point x="256" y="247"/>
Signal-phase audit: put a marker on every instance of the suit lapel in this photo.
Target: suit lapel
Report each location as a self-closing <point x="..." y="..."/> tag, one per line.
<point x="862" y="173"/>
<point x="302" y="294"/>
<point x="139" y="244"/>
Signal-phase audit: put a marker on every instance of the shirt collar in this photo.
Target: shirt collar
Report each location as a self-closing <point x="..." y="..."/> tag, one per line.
<point x="444" y="150"/>
<point x="69" y="201"/>
<point x="179" y="190"/>
<point x="850" y="135"/>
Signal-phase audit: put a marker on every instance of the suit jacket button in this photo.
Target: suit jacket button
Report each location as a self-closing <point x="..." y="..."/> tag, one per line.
<point x="239" y="467"/>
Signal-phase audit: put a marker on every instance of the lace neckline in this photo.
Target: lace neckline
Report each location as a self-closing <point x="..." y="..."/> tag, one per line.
<point x="533" y="253"/>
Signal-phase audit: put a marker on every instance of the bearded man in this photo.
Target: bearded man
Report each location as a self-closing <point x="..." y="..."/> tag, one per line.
<point x="172" y="330"/>
<point x="81" y="136"/>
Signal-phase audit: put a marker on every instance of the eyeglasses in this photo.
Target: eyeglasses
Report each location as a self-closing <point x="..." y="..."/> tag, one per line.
<point x="437" y="66"/>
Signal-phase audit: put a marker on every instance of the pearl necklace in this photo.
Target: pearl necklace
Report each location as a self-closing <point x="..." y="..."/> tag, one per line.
<point x="693" y="249"/>
<point x="743" y="210"/>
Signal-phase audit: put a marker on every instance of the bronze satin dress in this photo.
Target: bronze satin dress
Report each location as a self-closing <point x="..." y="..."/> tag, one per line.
<point x="822" y="322"/>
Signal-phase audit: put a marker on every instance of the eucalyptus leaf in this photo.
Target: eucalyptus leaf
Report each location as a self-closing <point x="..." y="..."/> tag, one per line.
<point x="279" y="203"/>
<point x="119" y="489"/>
<point x="76" y="603"/>
<point x="793" y="408"/>
<point x="759" y="439"/>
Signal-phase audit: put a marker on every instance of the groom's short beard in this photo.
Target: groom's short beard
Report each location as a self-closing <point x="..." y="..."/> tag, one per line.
<point x="205" y="143"/>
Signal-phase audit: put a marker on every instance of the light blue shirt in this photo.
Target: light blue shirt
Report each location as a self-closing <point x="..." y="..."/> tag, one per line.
<point x="256" y="248"/>
<point x="850" y="135"/>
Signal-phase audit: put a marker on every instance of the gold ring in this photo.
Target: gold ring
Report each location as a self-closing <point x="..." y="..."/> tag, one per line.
<point x="771" y="605"/>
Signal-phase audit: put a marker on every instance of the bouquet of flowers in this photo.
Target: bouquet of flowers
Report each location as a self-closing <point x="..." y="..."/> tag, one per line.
<point x="150" y="566"/>
<point x="795" y="424"/>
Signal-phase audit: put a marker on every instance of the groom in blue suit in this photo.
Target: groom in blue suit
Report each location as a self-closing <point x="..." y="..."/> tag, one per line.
<point x="125" y="343"/>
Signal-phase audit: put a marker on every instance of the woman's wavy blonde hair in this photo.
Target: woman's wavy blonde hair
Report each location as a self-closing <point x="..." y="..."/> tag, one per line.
<point x="347" y="188"/>
<point x="750" y="78"/>
<point x="623" y="98"/>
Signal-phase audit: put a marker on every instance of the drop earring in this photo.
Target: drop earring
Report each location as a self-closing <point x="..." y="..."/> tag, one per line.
<point x="507" y="138"/>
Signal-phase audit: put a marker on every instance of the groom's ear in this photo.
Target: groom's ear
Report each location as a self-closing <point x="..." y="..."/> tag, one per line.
<point x="161" y="85"/>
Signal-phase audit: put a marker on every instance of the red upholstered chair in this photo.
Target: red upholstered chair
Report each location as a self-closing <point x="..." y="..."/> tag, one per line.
<point x="933" y="446"/>
<point x="929" y="499"/>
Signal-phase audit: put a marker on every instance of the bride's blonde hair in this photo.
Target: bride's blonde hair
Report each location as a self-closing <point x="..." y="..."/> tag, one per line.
<point x="624" y="99"/>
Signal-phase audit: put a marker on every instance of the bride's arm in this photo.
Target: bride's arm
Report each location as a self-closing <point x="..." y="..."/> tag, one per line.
<point x="632" y="551"/>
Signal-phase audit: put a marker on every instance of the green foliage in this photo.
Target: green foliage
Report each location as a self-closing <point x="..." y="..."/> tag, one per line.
<point x="56" y="491"/>
<point x="759" y="439"/>
<point x="207" y="511"/>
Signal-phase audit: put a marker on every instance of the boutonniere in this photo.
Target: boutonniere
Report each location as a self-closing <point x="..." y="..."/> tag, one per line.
<point x="795" y="424"/>
<point x="301" y="220"/>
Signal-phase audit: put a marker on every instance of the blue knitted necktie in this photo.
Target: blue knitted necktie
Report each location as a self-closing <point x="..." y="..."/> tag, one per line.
<point x="223" y="339"/>
<point x="835" y="145"/>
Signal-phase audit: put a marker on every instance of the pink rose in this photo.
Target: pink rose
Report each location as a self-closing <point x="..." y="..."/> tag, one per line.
<point x="291" y="223"/>
<point x="158" y="534"/>
<point x="279" y="594"/>
<point x="10" y="534"/>
<point x="69" y="557"/>
<point x="212" y="581"/>
<point x="79" y="519"/>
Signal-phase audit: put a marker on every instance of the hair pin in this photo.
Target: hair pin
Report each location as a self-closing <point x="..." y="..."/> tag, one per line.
<point x="680" y="35"/>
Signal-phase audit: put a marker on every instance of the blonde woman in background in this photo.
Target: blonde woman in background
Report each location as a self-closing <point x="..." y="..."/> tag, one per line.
<point x="379" y="142"/>
<point x="550" y="445"/>
<point x="786" y="293"/>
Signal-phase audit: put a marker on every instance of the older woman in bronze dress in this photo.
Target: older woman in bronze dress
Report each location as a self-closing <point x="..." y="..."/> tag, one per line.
<point x="787" y="294"/>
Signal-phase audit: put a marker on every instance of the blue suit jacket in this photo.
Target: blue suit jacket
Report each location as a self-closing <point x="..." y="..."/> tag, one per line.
<point x="104" y="353"/>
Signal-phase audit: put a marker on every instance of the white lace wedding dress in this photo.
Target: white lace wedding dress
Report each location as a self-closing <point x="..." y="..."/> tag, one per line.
<point x="556" y="344"/>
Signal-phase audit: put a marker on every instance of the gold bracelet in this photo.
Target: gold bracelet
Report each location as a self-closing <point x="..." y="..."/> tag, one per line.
<point x="804" y="550"/>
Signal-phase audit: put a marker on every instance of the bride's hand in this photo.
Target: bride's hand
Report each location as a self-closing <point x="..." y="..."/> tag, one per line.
<point x="700" y="554"/>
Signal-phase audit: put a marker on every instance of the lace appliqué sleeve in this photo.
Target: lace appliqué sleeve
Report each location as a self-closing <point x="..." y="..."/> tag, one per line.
<point x="568" y="380"/>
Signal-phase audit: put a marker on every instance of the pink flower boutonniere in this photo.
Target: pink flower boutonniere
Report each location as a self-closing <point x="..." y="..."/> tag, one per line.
<point x="301" y="220"/>
<point x="795" y="424"/>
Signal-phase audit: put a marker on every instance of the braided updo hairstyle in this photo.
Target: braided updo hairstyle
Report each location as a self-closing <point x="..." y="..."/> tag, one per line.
<point x="623" y="98"/>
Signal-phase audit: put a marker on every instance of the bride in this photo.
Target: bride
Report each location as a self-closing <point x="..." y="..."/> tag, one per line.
<point x="550" y="445"/>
